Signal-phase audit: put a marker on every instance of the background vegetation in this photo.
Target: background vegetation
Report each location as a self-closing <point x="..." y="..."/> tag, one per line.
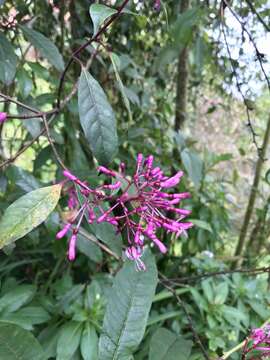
<point x="188" y="83"/>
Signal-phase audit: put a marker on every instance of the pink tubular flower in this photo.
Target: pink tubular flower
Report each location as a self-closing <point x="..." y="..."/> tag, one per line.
<point x="258" y="340"/>
<point x="72" y="247"/>
<point x="3" y="117"/>
<point x="145" y="207"/>
<point x="141" y="209"/>
<point x="64" y="231"/>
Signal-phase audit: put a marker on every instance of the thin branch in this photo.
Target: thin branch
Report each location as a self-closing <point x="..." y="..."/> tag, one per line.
<point x="261" y="20"/>
<point x="188" y="279"/>
<point x="98" y="243"/>
<point x="164" y="281"/>
<point x="27" y="107"/>
<point x="56" y="154"/>
<point x="53" y="114"/>
<point x="253" y="192"/>
<point x="24" y="117"/>
<point x="234" y="71"/>
<point x="26" y="146"/>
<point x="82" y="47"/>
<point x="245" y="30"/>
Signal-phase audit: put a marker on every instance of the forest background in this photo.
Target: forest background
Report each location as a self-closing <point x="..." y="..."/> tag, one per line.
<point x="187" y="82"/>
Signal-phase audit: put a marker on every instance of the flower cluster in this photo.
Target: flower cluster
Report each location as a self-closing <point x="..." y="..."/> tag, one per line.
<point x="140" y="207"/>
<point x="259" y="340"/>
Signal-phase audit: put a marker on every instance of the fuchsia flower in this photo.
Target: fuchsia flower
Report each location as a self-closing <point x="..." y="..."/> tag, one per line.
<point x="157" y="5"/>
<point x="3" y="117"/>
<point x="140" y="211"/>
<point x="259" y="340"/>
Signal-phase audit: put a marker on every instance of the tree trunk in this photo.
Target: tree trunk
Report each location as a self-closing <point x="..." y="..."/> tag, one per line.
<point x="182" y="80"/>
<point x="253" y="194"/>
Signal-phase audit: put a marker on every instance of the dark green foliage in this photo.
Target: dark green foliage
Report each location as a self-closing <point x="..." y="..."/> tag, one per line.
<point x="118" y="99"/>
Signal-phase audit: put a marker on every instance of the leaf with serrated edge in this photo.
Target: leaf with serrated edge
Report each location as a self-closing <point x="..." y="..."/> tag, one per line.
<point x="165" y="345"/>
<point x="127" y="310"/>
<point x="28" y="212"/>
<point x="18" y="344"/>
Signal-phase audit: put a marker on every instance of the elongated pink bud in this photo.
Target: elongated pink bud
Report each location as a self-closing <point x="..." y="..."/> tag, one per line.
<point x="3" y="117"/>
<point x="106" y="171"/>
<point x="181" y="211"/>
<point x="186" y="226"/>
<point x="113" y="186"/>
<point x="102" y="217"/>
<point x="64" y="231"/>
<point x="112" y="221"/>
<point x="91" y="215"/>
<point x="72" y="247"/>
<point x="70" y="176"/>
<point x="159" y="244"/>
<point x="173" y="181"/>
<point x="149" y="163"/>
<point x="184" y="195"/>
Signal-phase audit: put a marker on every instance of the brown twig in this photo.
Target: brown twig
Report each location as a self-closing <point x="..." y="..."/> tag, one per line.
<point x="53" y="114"/>
<point x="234" y="71"/>
<point x="27" y="107"/>
<point x="164" y="281"/>
<point x="56" y="154"/>
<point x="60" y="104"/>
<point x="188" y="279"/>
<point x="245" y="30"/>
<point x="82" y="47"/>
<point x="94" y="240"/>
<point x="261" y="20"/>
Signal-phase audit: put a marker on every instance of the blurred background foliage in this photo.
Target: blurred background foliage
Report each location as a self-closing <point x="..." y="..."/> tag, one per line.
<point x="175" y="91"/>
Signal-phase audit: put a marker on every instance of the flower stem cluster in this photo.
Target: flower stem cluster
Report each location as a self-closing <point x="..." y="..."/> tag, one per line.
<point x="140" y="208"/>
<point x="259" y="341"/>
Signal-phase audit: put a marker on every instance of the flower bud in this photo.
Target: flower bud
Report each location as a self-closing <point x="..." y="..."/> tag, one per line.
<point x="3" y="117"/>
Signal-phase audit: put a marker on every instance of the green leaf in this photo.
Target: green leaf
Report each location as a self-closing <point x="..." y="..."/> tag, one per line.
<point x="166" y="294"/>
<point x="233" y="315"/>
<point x="89" y="249"/>
<point x="18" y="344"/>
<point x="28" y="212"/>
<point x="25" y="83"/>
<point x="127" y="310"/>
<point x="106" y="233"/>
<point x="16" y="298"/>
<point x="165" y="345"/>
<point x="208" y="290"/>
<point x="48" y="339"/>
<point x="8" y="61"/>
<point x="89" y="343"/>
<point x="23" y="179"/>
<point x="115" y="60"/>
<point x="193" y="165"/>
<point x="162" y="317"/>
<point x="99" y="13"/>
<point x="222" y="292"/>
<point x="201" y="224"/>
<point x="182" y="30"/>
<point x="27" y="316"/>
<point x="45" y="46"/>
<point x="69" y="340"/>
<point x="97" y="118"/>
